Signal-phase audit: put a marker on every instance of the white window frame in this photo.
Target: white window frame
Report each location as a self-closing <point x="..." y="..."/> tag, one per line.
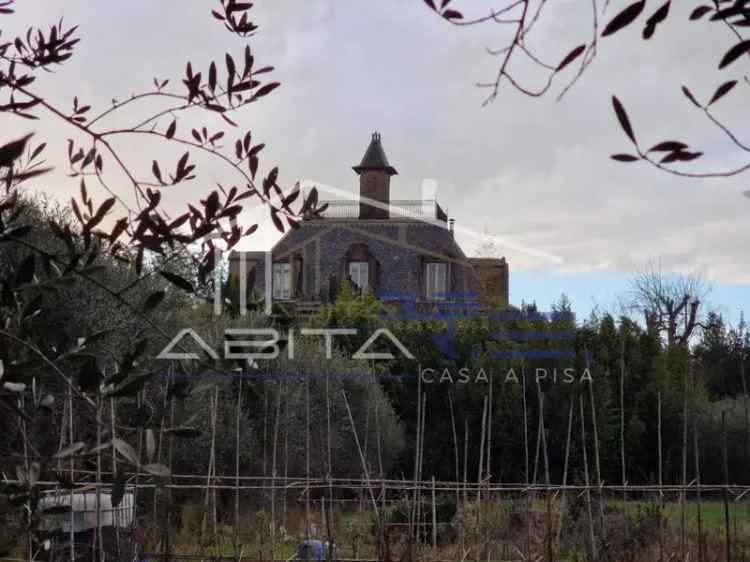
<point x="282" y="280"/>
<point x="359" y="271"/>
<point x="436" y="277"/>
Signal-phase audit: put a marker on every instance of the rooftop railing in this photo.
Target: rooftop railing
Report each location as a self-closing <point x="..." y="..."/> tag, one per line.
<point x="426" y="209"/>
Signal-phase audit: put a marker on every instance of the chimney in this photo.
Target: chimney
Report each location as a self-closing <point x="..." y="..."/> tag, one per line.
<point x="451" y="223"/>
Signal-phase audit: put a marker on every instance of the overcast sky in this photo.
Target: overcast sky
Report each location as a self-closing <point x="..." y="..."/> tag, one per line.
<point x="534" y="172"/>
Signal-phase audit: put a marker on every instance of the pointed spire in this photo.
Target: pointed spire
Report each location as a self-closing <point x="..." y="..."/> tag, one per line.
<point x="375" y="158"/>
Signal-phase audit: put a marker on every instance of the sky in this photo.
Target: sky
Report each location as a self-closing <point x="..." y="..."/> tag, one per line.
<point x="533" y="173"/>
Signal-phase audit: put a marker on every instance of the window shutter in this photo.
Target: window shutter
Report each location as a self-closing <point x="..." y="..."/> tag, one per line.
<point x="296" y="277"/>
<point x="421" y="288"/>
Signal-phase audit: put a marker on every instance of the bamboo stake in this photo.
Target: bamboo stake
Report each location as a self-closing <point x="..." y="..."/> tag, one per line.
<point x="98" y="502"/>
<point x="329" y="513"/>
<point x="274" y="473"/>
<point x="489" y="430"/>
<point x="420" y="528"/>
<point x="63" y="427"/>
<point x="544" y="442"/>
<point x="367" y="428"/>
<point x="307" y="456"/>
<point x="587" y="481"/>
<point x="113" y="431"/>
<point x="526" y="458"/>
<point x="698" y="489"/>
<point x="170" y="497"/>
<point x="455" y="443"/>
<point x="286" y="455"/>
<point x="525" y="421"/>
<point x="413" y="513"/>
<point x="746" y="399"/>
<point x="726" y="490"/>
<point x="210" y="472"/>
<point x="265" y="427"/>
<point x="237" y="472"/>
<point x="480" y="466"/>
<point x="683" y="523"/>
<point x="361" y="456"/>
<point x="661" y="481"/>
<point x="21" y="403"/>
<point x="466" y="458"/>
<point x="71" y="537"/>
<point x="547" y="482"/>
<point x="623" y="471"/>
<point x="595" y="436"/>
<point x="481" y="449"/>
<point x="382" y="549"/>
<point x="434" y="516"/>
<point x="156" y="494"/>
<point x="565" y="472"/>
<point x="539" y="429"/>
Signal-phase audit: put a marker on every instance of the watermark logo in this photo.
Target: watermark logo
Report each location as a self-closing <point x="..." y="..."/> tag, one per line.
<point x="466" y="375"/>
<point x="251" y="344"/>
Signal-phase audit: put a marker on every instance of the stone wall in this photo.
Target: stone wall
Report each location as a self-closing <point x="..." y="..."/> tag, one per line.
<point x="493" y="276"/>
<point x="397" y="252"/>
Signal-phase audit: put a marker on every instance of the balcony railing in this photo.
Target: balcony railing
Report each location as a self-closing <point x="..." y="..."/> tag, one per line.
<point x="427" y="209"/>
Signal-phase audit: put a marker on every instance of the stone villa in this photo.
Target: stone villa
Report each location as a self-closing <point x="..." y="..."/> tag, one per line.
<point x="399" y="250"/>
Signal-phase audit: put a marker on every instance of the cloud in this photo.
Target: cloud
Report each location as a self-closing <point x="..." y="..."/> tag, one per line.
<point x="537" y="172"/>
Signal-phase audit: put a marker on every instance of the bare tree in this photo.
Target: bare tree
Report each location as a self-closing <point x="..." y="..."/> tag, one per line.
<point x="488" y="246"/>
<point x="671" y="303"/>
<point x="517" y="22"/>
